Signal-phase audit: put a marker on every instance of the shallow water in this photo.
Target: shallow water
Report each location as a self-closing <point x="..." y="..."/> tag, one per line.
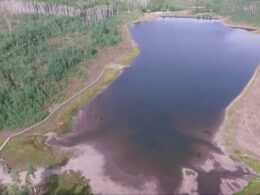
<point x="161" y="114"/>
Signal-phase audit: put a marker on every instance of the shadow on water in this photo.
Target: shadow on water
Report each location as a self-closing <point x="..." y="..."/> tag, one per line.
<point x="162" y="113"/>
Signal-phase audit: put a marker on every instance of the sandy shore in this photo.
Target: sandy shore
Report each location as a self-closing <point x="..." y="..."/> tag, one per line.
<point x="188" y="14"/>
<point x="91" y="163"/>
<point x="251" y="91"/>
<point x="229" y="111"/>
<point x="232" y="24"/>
<point x="93" y="166"/>
<point x="239" y="134"/>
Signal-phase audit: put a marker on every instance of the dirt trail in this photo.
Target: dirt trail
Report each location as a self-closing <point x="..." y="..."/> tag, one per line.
<point x="57" y="108"/>
<point x="5" y="176"/>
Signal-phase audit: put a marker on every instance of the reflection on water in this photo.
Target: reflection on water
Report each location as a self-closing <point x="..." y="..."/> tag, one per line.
<point x="161" y="114"/>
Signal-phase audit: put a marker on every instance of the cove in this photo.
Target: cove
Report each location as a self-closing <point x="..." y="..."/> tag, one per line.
<point x="162" y="113"/>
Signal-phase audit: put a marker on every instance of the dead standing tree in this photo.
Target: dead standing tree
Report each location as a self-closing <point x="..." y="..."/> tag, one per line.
<point x="99" y="13"/>
<point x="92" y="14"/>
<point x="16" y="6"/>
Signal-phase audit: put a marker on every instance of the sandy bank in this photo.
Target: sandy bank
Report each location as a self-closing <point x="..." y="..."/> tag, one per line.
<point x="239" y="134"/>
<point x="240" y="131"/>
<point x="223" y="163"/>
<point x="228" y="22"/>
<point x="92" y="165"/>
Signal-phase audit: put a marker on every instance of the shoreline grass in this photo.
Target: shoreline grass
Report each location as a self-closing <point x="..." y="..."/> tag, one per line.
<point x="20" y="147"/>
<point x="68" y="113"/>
<point x="252" y="188"/>
<point x="62" y="120"/>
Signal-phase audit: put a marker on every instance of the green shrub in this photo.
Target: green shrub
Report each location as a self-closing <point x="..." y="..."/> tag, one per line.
<point x="105" y="34"/>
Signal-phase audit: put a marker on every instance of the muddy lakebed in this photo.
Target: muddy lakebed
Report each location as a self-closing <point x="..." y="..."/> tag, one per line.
<point x="162" y="113"/>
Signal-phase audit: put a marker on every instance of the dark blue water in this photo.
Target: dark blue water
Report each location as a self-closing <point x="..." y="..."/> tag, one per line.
<point x="162" y="112"/>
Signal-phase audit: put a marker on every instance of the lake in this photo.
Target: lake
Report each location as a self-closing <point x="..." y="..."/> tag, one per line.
<point x="162" y="112"/>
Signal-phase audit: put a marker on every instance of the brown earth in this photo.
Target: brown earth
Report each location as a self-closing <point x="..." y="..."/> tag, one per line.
<point x="240" y="132"/>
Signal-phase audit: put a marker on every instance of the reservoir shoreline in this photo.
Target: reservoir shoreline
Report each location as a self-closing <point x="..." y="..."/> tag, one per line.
<point x="151" y="16"/>
<point x="227" y="22"/>
<point x="216" y="159"/>
<point x="246" y="89"/>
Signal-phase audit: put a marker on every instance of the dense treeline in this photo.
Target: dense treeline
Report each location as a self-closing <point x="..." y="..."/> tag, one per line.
<point x="91" y="11"/>
<point x="105" y="34"/>
<point x="88" y="3"/>
<point x="164" y="5"/>
<point x="245" y="10"/>
<point x="31" y="67"/>
<point x="239" y="10"/>
<point x="93" y="3"/>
